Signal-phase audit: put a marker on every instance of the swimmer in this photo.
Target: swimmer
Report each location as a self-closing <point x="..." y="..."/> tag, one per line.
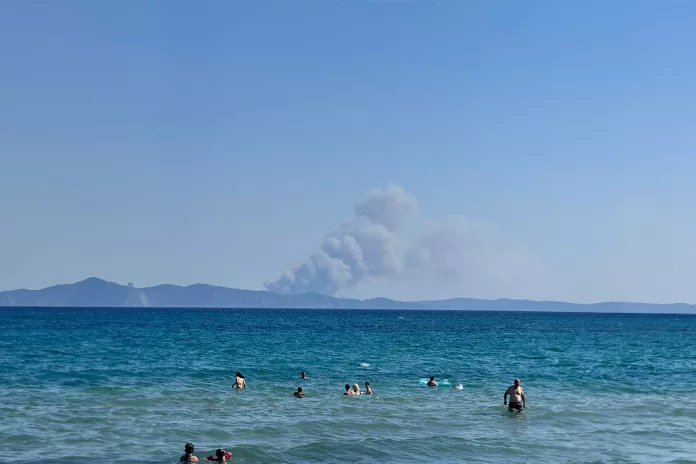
<point x="220" y="456"/>
<point x="240" y="381"/>
<point x="517" y="400"/>
<point x="432" y="382"/>
<point x="188" y="456"/>
<point x="298" y="393"/>
<point x="304" y="375"/>
<point x="348" y="392"/>
<point x="356" y="389"/>
<point x="368" y="390"/>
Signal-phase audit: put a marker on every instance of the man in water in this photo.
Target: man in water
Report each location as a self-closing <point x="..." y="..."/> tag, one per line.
<point x="298" y="393"/>
<point x="348" y="391"/>
<point x="517" y="401"/>
<point x="188" y="456"/>
<point x="432" y="382"/>
<point x="368" y="390"/>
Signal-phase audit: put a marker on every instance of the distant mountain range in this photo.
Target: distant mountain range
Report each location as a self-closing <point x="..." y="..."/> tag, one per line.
<point x="94" y="292"/>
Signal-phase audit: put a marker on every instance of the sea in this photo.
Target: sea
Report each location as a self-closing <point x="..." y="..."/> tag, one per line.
<point x="134" y="385"/>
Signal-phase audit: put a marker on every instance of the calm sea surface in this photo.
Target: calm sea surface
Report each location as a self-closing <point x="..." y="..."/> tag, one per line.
<point x="94" y="385"/>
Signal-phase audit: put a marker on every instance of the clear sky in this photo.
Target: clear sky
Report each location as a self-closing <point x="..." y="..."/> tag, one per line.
<point x="221" y="142"/>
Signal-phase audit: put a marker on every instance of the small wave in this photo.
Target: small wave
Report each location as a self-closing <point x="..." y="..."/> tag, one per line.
<point x="364" y="364"/>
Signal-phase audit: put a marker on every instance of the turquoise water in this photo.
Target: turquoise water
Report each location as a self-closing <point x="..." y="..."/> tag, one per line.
<point x="121" y="385"/>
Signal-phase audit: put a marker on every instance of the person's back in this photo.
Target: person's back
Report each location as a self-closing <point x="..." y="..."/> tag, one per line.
<point x="240" y="381"/>
<point x="348" y="392"/>
<point x="188" y="454"/>
<point x="299" y="393"/>
<point x="432" y="382"/>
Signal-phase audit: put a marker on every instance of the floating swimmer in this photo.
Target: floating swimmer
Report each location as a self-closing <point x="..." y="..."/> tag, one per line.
<point x="304" y="375"/>
<point x="188" y="454"/>
<point x="298" y="393"/>
<point x="220" y="456"/>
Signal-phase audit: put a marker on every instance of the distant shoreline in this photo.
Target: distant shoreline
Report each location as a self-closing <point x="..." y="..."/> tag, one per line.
<point x="342" y="310"/>
<point x="98" y="293"/>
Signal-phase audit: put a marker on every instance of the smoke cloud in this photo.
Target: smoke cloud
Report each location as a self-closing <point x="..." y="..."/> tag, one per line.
<point x="377" y="250"/>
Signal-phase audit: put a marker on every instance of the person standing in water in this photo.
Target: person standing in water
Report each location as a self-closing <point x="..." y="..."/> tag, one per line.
<point x="356" y="389"/>
<point x="517" y="400"/>
<point x="432" y="382"/>
<point x="298" y="393"/>
<point x="188" y="456"/>
<point x="348" y="392"/>
<point x="368" y="390"/>
<point x="240" y="381"/>
<point x="304" y="375"/>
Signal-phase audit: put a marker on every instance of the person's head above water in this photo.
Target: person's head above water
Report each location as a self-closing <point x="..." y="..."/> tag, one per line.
<point x="220" y="453"/>
<point x="188" y="448"/>
<point x="517" y="382"/>
<point x="347" y="387"/>
<point x="356" y="387"/>
<point x="367" y="384"/>
<point x="432" y="378"/>
<point x="239" y="374"/>
<point x="299" y="389"/>
<point x="303" y="374"/>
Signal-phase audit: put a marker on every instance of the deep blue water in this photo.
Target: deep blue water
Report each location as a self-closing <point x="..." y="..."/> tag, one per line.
<point x="120" y="385"/>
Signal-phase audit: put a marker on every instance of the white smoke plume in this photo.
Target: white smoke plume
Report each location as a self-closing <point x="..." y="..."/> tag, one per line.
<point x="375" y="252"/>
<point x="364" y="248"/>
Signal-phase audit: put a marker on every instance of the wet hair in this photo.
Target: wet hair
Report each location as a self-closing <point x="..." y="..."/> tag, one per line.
<point x="303" y="374"/>
<point x="188" y="448"/>
<point x="356" y="387"/>
<point x="220" y="452"/>
<point x="432" y="378"/>
<point x="347" y="386"/>
<point x="239" y="374"/>
<point x="299" y="389"/>
<point x="367" y="384"/>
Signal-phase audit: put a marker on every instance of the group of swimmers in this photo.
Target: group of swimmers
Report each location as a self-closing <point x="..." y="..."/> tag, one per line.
<point x="515" y="391"/>
<point x="220" y="455"/>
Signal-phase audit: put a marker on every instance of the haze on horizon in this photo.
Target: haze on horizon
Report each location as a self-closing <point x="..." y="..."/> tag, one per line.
<point x="411" y="150"/>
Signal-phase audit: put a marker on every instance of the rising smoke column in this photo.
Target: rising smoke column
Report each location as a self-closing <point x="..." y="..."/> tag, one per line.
<point x="367" y="247"/>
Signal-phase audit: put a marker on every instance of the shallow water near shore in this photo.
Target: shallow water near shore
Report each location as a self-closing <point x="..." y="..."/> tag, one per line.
<point x="123" y="385"/>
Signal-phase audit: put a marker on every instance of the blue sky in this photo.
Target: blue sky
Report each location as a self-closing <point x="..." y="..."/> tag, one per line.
<point x="220" y="142"/>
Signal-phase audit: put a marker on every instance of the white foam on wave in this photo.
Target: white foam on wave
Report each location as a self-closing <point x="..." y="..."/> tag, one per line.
<point x="364" y="364"/>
